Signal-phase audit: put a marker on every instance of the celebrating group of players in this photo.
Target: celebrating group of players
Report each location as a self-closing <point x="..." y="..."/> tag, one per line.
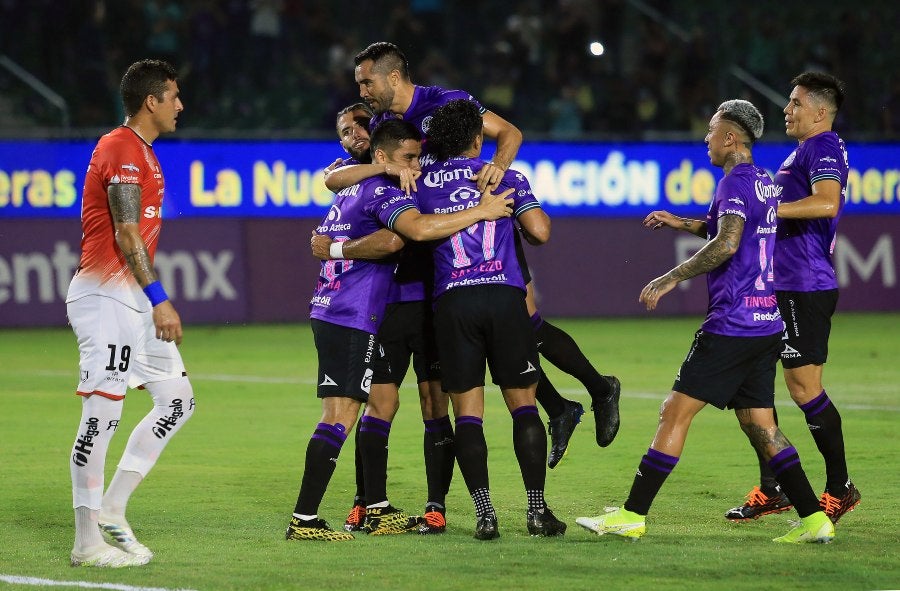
<point x="458" y="301"/>
<point x="422" y="262"/>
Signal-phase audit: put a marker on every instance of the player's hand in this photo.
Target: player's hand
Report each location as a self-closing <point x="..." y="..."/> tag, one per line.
<point x="406" y="177"/>
<point x="320" y="244"/>
<point x="328" y="169"/>
<point x="655" y="290"/>
<point x="659" y="219"/>
<point x="167" y="322"/>
<point x="494" y="207"/>
<point x="489" y="176"/>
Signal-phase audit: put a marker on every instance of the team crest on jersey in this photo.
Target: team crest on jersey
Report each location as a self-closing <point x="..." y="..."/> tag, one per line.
<point x="789" y="160"/>
<point x="426" y="123"/>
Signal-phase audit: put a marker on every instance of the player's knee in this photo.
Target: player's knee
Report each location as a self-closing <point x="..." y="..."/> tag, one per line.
<point x="174" y="400"/>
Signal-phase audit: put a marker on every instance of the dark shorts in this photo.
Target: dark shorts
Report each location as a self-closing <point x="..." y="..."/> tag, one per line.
<point x="485" y="323"/>
<point x="407" y="331"/>
<point x="520" y="257"/>
<point x="346" y="358"/>
<point x="807" y="320"/>
<point x="730" y="372"/>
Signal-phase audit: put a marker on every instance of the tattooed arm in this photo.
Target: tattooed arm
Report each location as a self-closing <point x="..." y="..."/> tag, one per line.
<point x="125" y="206"/>
<point x="714" y="253"/>
<point x="659" y="219"/>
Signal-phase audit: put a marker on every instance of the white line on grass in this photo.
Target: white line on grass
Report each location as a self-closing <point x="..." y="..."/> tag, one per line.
<point x="247" y="379"/>
<point x="17" y="580"/>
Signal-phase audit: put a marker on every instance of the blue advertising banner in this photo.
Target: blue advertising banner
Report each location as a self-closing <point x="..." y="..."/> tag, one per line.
<point x="275" y="179"/>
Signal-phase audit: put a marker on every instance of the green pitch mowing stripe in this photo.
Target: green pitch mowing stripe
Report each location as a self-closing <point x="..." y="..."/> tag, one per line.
<point x="215" y="508"/>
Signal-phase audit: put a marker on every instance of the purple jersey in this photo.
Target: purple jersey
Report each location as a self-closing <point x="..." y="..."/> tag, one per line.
<point x="484" y="253"/>
<point x="742" y="289"/>
<point x="351" y="292"/>
<point x="803" y="248"/>
<point x="424" y="102"/>
<point x="415" y="262"/>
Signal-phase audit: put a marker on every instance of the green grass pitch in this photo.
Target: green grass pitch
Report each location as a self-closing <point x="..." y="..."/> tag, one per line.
<point x="215" y="508"/>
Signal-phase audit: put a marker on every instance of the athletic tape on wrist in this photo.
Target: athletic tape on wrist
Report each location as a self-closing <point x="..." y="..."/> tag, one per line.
<point x="336" y="250"/>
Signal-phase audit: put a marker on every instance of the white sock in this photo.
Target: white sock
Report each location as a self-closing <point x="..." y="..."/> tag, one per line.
<point x="173" y="405"/>
<point x="87" y="531"/>
<point x="115" y="500"/>
<point x="99" y="419"/>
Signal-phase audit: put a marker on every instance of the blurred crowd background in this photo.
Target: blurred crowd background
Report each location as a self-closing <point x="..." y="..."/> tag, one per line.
<point x="251" y="68"/>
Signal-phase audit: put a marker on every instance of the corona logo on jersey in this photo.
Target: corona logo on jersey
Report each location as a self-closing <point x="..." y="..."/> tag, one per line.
<point x="437" y="178"/>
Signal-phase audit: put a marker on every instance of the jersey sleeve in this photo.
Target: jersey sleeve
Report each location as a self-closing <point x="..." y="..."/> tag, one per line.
<point x="827" y="161"/>
<point x="522" y="195"/>
<point x="389" y="202"/>
<point x="451" y="95"/>
<point x="731" y="195"/>
<point x="120" y="163"/>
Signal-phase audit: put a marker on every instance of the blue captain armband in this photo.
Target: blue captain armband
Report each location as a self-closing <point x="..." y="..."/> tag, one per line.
<point x="155" y="293"/>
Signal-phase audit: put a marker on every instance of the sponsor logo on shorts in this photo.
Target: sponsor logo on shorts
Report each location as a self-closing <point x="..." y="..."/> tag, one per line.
<point x="113" y="376"/>
<point x="366" y="383"/>
<point x="327" y="381"/>
<point x="789" y="352"/>
<point x="528" y="369"/>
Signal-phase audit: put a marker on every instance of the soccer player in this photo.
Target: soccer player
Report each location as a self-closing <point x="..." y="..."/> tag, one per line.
<point x="813" y="182"/>
<point x="353" y="132"/>
<point x="382" y="73"/>
<point x="732" y="360"/>
<point x="405" y="333"/>
<point x="346" y="310"/>
<point x="480" y="314"/>
<point x="126" y="326"/>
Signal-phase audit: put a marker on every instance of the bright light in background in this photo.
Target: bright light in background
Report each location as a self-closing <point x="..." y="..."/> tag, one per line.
<point x="597" y="48"/>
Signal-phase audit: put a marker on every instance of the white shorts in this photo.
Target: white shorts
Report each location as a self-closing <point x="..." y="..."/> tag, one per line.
<point x="118" y="348"/>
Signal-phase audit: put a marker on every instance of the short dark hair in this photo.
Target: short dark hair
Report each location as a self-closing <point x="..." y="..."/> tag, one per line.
<point x="453" y="128"/>
<point x="390" y="133"/>
<point x="142" y="79"/>
<point x="360" y="106"/>
<point x="822" y="86"/>
<point x="385" y="57"/>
